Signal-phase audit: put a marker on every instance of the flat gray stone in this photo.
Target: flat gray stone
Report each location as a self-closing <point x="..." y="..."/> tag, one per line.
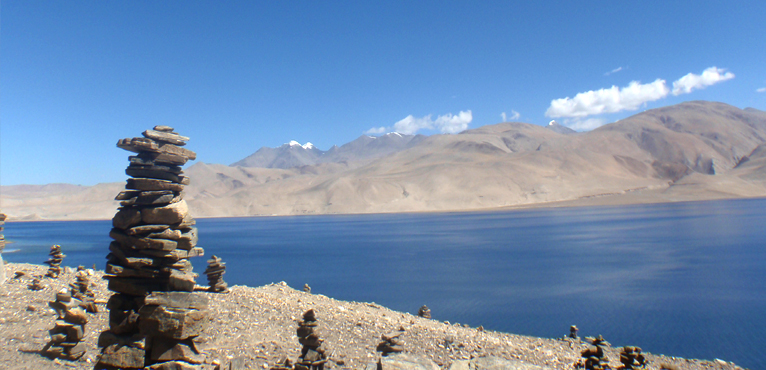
<point x="147" y="184"/>
<point x="166" y="137"/>
<point x="177" y="300"/>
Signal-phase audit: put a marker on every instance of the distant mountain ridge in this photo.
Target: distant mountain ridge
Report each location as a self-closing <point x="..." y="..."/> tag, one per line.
<point x="690" y="151"/>
<point x="293" y="154"/>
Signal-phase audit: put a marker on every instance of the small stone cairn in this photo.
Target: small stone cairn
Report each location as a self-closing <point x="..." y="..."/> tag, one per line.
<point x="424" y="312"/>
<point x="2" y="247"/>
<point x="80" y="289"/>
<point x="313" y="356"/>
<point x="215" y="270"/>
<point x="594" y="356"/>
<point x="283" y="365"/>
<point x="36" y="284"/>
<point x="306" y="288"/>
<point x="54" y="262"/>
<point x="154" y="316"/>
<point x="69" y="329"/>
<point x="391" y="343"/>
<point x="573" y="332"/>
<point x="631" y="358"/>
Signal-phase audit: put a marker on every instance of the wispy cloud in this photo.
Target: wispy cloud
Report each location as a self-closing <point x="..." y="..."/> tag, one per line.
<point x="609" y="100"/>
<point x="613" y="71"/>
<point x="584" y="124"/>
<point x="763" y="89"/>
<point x="631" y="97"/>
<point x="691" y="82"/>
<point x="446" y="124"/>
<point x="514" y="116"/>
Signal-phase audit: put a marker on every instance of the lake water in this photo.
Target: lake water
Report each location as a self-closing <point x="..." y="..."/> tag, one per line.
<point x="684" y="279"/>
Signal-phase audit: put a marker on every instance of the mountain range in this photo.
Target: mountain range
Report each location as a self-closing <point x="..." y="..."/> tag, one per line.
<point x="690" y="151"/>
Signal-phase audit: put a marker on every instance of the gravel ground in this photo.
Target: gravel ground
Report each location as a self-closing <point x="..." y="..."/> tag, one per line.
<point x="256" y="326"/>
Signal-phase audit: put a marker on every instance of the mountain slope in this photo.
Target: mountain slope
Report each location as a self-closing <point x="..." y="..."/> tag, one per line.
<point x="690" y="151"/>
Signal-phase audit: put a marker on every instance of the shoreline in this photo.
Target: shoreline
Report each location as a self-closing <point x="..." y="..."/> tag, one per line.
<point x="609" y="200"/>
<point x="256" y="325"/>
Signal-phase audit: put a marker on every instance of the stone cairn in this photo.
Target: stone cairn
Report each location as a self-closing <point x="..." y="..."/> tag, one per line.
<point x="214" y="271"/>
<point x="283" y="365"/>
<point x="391" y="343"/>
<point x="2" y="246"/>
<point x="153" y="316"/>
<point x="594" y="356"/>
<point x="313" y="356"/>
<point x="573" y="332"/>
<point x="80" y="289"/>
<point x="306" y="288"/>
<point x="69" y="329"/>
<point x="54" y="262"/>
<point x="36" y="284"/>
<point x="631" y="358"/>
<point x="424" y="312"/>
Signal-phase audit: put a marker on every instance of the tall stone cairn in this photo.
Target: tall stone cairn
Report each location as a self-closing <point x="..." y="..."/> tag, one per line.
<point x="153" y="316"/>
<point x="69" y="329"/>
<point x="313" y="356"/>
<point x="2" y="247"/>
<point x="215" y="270"/>
<point x="54" y="262"/>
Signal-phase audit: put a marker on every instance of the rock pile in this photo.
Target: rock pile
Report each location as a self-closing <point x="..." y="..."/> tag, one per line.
<point x="2" y="246"/>
<point x="215" y="270"/>
<point x="594" y="357"/>
<point x="306" y="288"/>
<point x="80" y="289"/>
<point x="631" y="358"/>
<point x="153" y="316"/>
<point x="36" y="284"/>
<point x="573" y="332"/>
<point x="69" y="330"/>
<point x="424" y="312"/>
<point x="313" y="356"/>
<point x="54" y="261"/>
<point x="391" y="343"/>
<point x="283" y="365"/>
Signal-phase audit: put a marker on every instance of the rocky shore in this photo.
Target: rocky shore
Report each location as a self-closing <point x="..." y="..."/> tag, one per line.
<point x="255" y="328"/>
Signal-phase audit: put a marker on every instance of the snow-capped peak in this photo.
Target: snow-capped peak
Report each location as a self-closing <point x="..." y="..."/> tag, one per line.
<point x="394" y="133"/>
<point x="293" y="143"/>
<point x="553" y="123"/>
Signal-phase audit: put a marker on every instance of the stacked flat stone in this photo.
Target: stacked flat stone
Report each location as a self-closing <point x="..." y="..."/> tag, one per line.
<point x="391" y="343"/>
<point x="215" y="270"/>
<point x="154" y="317"/>
<point x="80" y="289"/>
<point x="54" y="261"/>
<point x="313" y="356"/>
<point x="631" y="358"/>
<point x="2" y="247"/>
<point x="594" y="356"/>
<point x="573" y="332"/>
<point x="69" y="329"/>
<point x="424" y="312"/>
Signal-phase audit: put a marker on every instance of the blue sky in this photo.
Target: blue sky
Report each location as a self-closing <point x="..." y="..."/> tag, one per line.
<point x="235" y="76"/>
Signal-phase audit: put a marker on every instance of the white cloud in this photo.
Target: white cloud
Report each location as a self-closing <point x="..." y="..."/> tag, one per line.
<point x="375" y="131"/>
<point x="514" y="116"/>
<point x="613" y="71"/>
<point x="584" y="124"/>
<point x="446" y="124"/>
<point x="763" y="89"/>
<point x="710" y="76"/>
<point x="610" y="100"/>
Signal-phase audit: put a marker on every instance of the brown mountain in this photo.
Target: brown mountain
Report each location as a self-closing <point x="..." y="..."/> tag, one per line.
<point x="690" y="151"/>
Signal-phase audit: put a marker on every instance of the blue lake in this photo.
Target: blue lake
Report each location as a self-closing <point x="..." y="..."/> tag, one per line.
<point x="684" y="279"/>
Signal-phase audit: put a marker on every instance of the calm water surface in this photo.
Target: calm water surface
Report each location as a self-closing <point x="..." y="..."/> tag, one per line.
<point x="686" y="279"/>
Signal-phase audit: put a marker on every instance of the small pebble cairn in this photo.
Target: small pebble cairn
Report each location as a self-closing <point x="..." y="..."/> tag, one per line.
<point x="215" y="270"/>
<point x="573" y="332"/>
<point x="283" y="365"/>
<point x="69" y="329"/>
<point x="593" y="356"/>
<point x="154" y="316"/>
<point x="313" y="356"/>
<point x="54" y="262"/>
<point x="80" y="289"/>
<point x="36" y="284"/>
<point x="424" y="312"/>
<point x="631" y="358"/>
<point x="2" y="246"/>
<point x="306" y="288"/>
<point x="391" y="343"/>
